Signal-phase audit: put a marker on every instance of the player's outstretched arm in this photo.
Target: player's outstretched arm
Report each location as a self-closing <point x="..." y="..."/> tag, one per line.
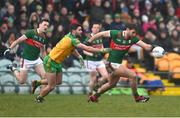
<point x="99" y="35"/>
<point x="19" y="40"/>
<point x="145" y="46"/>
<point x="88" y="53"/>
<point x="91" y="49"/>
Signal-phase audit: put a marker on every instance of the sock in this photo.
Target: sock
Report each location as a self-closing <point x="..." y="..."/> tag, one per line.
<point x="14" y="69"/>
<point x="99" y="84"/>
<point x="39" y="97"/>
<point x="97" y="95"/>
<point x="136" y="94"/>
<point x="38" y="83"/>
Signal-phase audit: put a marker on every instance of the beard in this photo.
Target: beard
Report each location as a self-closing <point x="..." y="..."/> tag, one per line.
<point x="78" y="35"/>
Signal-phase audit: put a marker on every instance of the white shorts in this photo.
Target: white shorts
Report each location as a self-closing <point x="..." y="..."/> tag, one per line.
<point x="27" y="64"/>
<point x="112" y="65"/>
<point x="93" y="65"/>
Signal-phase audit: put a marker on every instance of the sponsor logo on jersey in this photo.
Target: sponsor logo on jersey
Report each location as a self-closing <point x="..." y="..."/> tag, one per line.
<point x="34" y="43"/>
<point x="119" y="46"/>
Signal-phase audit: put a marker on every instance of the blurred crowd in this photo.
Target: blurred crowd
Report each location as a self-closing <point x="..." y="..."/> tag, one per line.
<point x="158" y="21"/>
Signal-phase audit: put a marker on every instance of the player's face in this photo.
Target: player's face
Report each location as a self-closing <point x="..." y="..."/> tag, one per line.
<point x="131" y="33"/>
<point x="95" y="28"/>
<point x="79" y="31"/>
<point x="44" y="26"/>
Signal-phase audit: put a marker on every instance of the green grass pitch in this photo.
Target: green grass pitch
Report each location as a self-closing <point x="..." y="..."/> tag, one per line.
<point x="77" y="106"/>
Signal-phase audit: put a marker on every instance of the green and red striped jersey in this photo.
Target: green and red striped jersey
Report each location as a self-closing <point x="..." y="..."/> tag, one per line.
<point x="33" y="44"/>
<point x="120" y="46"/>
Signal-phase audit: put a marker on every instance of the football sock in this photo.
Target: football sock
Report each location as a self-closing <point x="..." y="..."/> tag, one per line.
<point x="135" y="94"/>
<point x="14" y="69"/>
<point x="38" y="83"/>
<point x="99" y="84"/>
<point x="97" y="95"/>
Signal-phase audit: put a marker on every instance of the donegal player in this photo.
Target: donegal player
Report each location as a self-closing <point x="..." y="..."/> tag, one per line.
<point x="34" y="43"/>
<point x="52" y="62"/>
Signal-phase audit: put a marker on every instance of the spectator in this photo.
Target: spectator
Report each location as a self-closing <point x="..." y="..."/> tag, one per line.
<point x="148" y="24"/>
<point x="39" y="10"/>
<point x="107" y="22"/>
<point x="164" y="40"/>
<point x="175" y="37"/>
<point x="72" y="18"/>
<point x="107" y="7"/>
<point x="33" y="20"/>
<point x="50" y="11"/>
<point x="149" y="38"/>
<point x="117" y="24"/>
<point x="57" y="35"/>
<point x="33" y="6"/>
<point x="81" y="9"/>
<point x="97" y="11"/>
<point x="64" y="19"/>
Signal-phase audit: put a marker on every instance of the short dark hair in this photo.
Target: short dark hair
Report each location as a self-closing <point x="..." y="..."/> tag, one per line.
<point x="74" y="26"/>
<point x="44" y="19"/>
<point x="131" y="26"/>
<point x="95" y="22"/>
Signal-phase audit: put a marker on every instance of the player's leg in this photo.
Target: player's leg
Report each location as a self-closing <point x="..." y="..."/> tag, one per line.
<point x="58" y="78"/>
<point x="51" y="78"/>
<point x="92" y="81"/>
<point x="41" y="72"/>
<point x="104" y="75"/>
<point x="53" y="73"/>
<point x="113" y="79"/>
<point x="125" y="72"/>
<point x="91" y="67"/>
<point x="20" y="75"/>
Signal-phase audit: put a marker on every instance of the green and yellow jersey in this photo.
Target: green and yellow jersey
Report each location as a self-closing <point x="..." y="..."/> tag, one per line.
<point x="32" y="44"/>
<point x="64" y="48"/>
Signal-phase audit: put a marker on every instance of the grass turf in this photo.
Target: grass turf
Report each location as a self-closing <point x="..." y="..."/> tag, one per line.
<point x="77" y="106"/>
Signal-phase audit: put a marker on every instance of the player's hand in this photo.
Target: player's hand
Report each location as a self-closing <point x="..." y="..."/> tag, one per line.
<point x="7" y="51"/>
<point x="153" y="46"/>
<point x="81" y="61"/>
<point x="105" y="50"/>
